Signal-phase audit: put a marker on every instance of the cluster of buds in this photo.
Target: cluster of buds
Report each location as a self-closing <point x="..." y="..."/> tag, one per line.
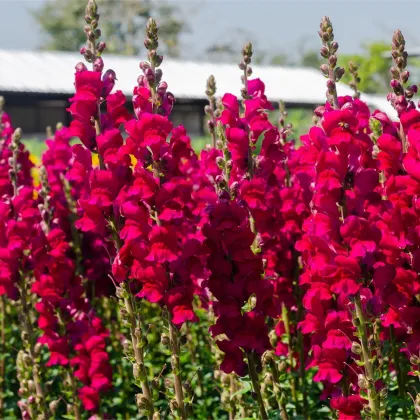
<point x="2" y="103"/>
<point x="330" y="70"/>
<point x="225" y="164"/>
<point x="152" y="43"/>
<point x="284" y="128"/>
<point x="151" y="78"/>
<point x="15" y="167"/>
<point x="232" y="400"/>
<point x="401" y="96"/>
<point x="244" y="65"/>
<point x="92" y="52"/>
<point x="134" y="349"/>
<point x="271" y="384"/>
<point x="210" y="108"/>
<point x="44" y="193"/>
<point x="353" y="70"/>
<point x="30" y="403"/>
<point x="27" y="386"/>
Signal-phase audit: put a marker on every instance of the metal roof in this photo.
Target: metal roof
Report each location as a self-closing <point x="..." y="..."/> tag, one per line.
<point x="53" y="72"/>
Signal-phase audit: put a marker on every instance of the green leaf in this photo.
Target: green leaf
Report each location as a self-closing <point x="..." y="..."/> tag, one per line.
<point x="242" y="391"/>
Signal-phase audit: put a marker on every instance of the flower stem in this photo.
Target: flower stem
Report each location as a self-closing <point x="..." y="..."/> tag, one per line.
<point x="3" y="352"/>
<point x="256" y="384"/>
<point x="232" y="390"/>
<point x="302" y="374"/>
<point x="75" y="403"/>
<point x="176" y="369"/>
<point x="29" y="341"/>
<point x="278" y="391"/>
<point x="285" y="317"/>
<point x="400" y="374"/>
<point x="135" y="333"/>
<point x="373" y="397"/>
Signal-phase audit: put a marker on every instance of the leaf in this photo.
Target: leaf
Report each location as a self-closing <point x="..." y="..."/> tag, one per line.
<point x="242" y="391"/>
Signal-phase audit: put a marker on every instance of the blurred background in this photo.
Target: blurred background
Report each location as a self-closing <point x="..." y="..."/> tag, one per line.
<point x="35" y="74"/>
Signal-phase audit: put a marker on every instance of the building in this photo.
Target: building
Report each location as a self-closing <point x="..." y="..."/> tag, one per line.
<point x="37" y="86"/>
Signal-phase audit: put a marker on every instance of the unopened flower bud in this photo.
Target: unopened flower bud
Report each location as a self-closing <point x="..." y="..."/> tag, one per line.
<point x="356" y="347"/>
<point x="220" y="179"/>
<point x="164" y="339"/>
<point x="220" y="162"/>
<point x="168" y="383"/>
<point x="187" y="386"/>
<point x="234" y="188"/>
<point x="80" y="67"/>
<point x="330" y="85"/>
<point x="339" y="73"/>
<point x="324" y="69"/>
<point x="31" y="386"/>
<point x="144" y="65"/>
<point x="26" y="415"/>
<point x="98" y="64"/>
<point x="332" y="60"/>
<point x="414" y="360"/>
<point x="141" y="401"/>
<point x="362" y="382"/>
<point x="383" y="392"/>
<point x="405" y="76"/>
<point x="88" y="55"/>
<point x="282" y="366"/>
<point x="324" y="52"/>
<point x="53" y="406"/>
<point x="395" y="84"/>
<point x="173" y="405"/>
<point x="150" y="76"/>
<point x="267" y="358"/>
<point x="101" y="47"/>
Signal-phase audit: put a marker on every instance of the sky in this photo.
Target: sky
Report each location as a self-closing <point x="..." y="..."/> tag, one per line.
<point x="277" y="26"/>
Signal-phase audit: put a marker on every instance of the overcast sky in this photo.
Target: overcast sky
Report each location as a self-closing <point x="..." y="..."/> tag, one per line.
<point x="282" y="26"/>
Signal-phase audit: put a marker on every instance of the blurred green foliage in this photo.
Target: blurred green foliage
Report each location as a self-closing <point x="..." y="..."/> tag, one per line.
<point x="122" y="24"/>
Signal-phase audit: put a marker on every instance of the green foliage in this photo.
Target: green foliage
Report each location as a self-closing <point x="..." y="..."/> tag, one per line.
<point x="10" y="386"/>
<point x="122" y="24"/>
<point x="373" y="67"/>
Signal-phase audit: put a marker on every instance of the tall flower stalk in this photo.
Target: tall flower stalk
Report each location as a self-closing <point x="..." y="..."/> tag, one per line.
<point x="31" y="352"/>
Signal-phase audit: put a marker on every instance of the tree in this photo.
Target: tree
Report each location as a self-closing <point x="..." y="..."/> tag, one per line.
<point x="373" y="67"/>
<point x="122" y="24"/>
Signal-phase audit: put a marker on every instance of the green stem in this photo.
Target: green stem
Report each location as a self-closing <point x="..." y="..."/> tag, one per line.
<point x="75" y="399"/>
<point x="278" y="390"/>
<point x="135" y="333"/>
<point x="400" y="374"/>
<point x="302" y="375"/>
<point x="285" y="317"/>
<point x="256" y="384"/>
<point x="30" y="344"/>
<point x="232" y="390"/>
<point x="373" y="397"/>
<point x="176" y="369"/>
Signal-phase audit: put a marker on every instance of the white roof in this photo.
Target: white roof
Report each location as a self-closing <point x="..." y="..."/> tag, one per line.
<point x="53" y="72"/>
